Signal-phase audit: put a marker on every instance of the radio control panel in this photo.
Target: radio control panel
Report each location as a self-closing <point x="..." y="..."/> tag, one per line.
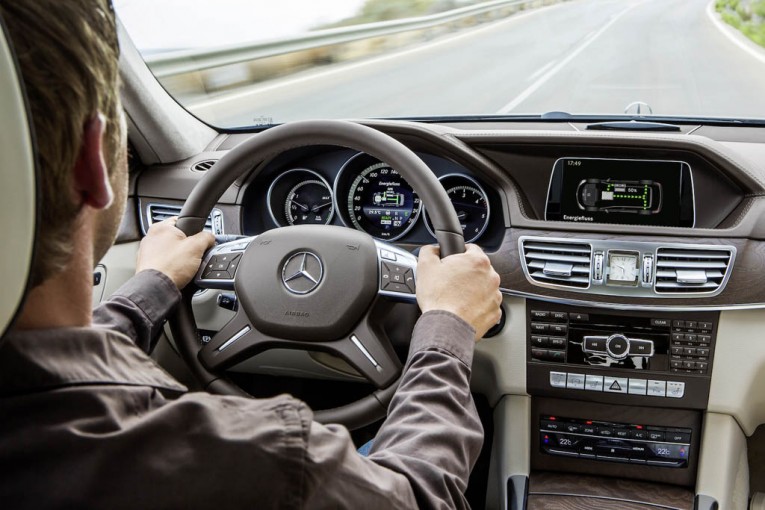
<point x="641" y="354"/>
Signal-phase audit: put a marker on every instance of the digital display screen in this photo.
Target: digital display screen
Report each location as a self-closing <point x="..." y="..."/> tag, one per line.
<point x="632" y="192"/>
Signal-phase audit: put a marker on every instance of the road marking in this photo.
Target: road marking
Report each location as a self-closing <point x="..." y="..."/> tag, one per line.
<point x="552" y="72"/>
<point x="734" y="35"/>
<point x="372" y="61"/>
<point x="539" y="71"/>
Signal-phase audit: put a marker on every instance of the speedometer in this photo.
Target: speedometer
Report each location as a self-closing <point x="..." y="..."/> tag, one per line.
<point x="381" y="203"/>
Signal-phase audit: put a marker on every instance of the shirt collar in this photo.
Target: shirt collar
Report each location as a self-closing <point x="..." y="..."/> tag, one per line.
<point x="38" y="360"/>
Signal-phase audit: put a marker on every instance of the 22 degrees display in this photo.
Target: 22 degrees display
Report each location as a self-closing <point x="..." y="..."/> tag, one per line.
<point x="636" y="192"/>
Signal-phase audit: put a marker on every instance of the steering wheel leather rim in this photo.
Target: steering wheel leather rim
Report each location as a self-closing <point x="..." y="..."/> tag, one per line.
<point x="263" y="147"/>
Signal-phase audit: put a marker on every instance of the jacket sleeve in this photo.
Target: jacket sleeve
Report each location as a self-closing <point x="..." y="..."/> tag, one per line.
<point x="139" y="308"/>
<point x="427" y="446"/>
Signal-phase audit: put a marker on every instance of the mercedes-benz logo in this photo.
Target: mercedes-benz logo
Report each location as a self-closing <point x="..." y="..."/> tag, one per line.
<point x="302" y="272"/>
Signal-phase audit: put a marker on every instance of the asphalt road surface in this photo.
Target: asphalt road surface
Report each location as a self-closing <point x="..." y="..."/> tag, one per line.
<point x="583" y="56"/>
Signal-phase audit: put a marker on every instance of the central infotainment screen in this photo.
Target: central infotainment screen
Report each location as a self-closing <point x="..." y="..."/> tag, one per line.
<point x="637" y="192"/>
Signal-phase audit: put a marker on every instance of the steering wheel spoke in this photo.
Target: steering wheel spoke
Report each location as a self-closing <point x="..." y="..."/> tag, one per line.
<point x="238" y="340"/>
<point x="220" y="265"/>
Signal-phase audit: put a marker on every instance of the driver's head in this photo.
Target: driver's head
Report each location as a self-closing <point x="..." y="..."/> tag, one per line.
<point x="67" y="53"/>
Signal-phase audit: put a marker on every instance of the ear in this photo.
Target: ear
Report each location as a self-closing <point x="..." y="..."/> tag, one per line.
<point x="91" y="177"/>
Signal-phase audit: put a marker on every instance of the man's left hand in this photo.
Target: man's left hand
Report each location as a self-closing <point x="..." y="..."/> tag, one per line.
<point x="170" y="251"/>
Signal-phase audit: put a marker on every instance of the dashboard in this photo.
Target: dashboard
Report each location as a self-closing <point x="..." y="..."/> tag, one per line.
<point x="631" y="268"/>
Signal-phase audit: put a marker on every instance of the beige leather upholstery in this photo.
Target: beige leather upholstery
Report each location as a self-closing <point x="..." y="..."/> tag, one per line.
<point x="17" y="188"/>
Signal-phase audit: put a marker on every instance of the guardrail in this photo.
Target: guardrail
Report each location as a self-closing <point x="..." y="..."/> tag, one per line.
<point x="187" y="61"/>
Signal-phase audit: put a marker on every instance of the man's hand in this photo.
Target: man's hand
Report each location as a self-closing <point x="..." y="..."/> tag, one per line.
<point x="463" y="284"/>
<point x="169" y="251"/>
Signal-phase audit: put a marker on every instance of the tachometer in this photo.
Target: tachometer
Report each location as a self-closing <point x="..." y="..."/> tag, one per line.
<point x="470" y="202"/>
<point x="381" y="203"/>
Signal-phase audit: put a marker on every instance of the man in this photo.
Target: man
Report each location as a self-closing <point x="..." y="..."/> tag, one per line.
<point x="89" y="421"/>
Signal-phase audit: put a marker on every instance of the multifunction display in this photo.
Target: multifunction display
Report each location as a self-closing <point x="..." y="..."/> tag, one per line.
<point x="638" y="192"/>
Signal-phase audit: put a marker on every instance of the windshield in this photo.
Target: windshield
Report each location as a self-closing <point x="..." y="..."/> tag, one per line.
<point x="237" y="63"/>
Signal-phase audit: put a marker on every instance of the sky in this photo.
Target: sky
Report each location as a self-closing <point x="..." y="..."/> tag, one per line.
<point x="176" y="24"/>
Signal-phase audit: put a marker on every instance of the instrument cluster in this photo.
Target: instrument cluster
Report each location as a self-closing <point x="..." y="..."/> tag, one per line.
<point x="371" y="196"/>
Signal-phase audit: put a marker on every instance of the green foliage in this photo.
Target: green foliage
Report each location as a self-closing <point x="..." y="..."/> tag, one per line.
<point x="746" y="16"/>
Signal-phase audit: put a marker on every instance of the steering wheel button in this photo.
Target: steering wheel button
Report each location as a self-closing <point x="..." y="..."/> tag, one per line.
<point x="397" y="287"/>
<point x="388" y="255"/>
<point x="233" y="263"/>
<point x="219" y="275"/>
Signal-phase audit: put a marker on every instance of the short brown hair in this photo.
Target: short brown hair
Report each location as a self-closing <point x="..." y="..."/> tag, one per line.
<point x="67" y="52"/>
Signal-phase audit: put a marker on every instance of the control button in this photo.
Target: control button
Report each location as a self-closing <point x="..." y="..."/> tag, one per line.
<point x="539" y="354"/>
<point x="705" y="339"/>
<point x="641" y="347"/>
<point x="234" y="263"/>
<point x="551" y="425"/>
<point x="397" y="287"/>
<point x="540" y="315"/>
<point x="705" y="325"/>
<point x="220" y="262"/>
<point x="227" y="301"/>
<point x="678" y="437"/>
<point x="560" y="316"/>
<point x="678" y="324"/>
<point x="605" y="431"/>
<point x="587" y="450"/>
<point x="595" y="343"/>
<point x="702" y="351"/>
<point x="387" y="255"/>
<point x="691" y="324"/>
<point x="689" y="365"/>
<point x="657" y="388"/>
<point x="639" y="434"/>
<point x="612" y="451"/>
<point x="676" y="363"/>
<point x="678" y="337"/>
<point x="409" y="281"/>
<point x="638" y="451"/>
<point x="638" y="386"/>
<point x="539" y="341"/>
<point x="556" y="356"/>
<point x="573" y="428"/>
<point x="702" y="366"/>
<point x="575" y="382"/>
<point x="589" y="429"/>
<point x="661" y="323"/>
<point x="559" y="329"/>
<point x="558" y="379"/>
<point x="691" y="337"/>
<point x="557" y="342"/>
<point x="655" y="435"/>
<point x="689" y="351"/>
<point x="617" y="346"/>
<point x="219" y="275"/>
<point x="538" y="327"/>
<point x="593" y="383"/>
<point x="677" y="351"/>
<point x="621" y="433"/>
<point x="675" y="389"/>
<point x="579" y="317"/>
<point x="615" y="384"/>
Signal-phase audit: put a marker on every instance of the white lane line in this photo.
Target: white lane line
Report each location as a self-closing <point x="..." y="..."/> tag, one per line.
<point x="552" y="72"/>
<point x="372" y="61"/>
<point x="539" y="71"/>
<point x="734" y="36"/>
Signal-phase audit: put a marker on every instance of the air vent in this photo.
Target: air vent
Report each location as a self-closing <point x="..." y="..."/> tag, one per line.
<point x="203" y="166"/>
<point x="692" y="270"/>
<point x="161" y="212"/>
<point x="557" y="263"/>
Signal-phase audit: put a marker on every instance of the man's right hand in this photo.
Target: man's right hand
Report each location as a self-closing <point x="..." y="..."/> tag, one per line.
<point x="464" y="284"/>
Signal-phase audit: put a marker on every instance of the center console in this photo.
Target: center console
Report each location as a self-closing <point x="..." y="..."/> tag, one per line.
<point x="618" y="393"/>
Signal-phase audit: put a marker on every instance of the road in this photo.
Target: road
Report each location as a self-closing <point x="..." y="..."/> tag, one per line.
<point x="584" y="56"/>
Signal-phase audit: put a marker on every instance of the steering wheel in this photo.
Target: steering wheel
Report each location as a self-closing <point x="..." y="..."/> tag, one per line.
<point x="312" y="287"/>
